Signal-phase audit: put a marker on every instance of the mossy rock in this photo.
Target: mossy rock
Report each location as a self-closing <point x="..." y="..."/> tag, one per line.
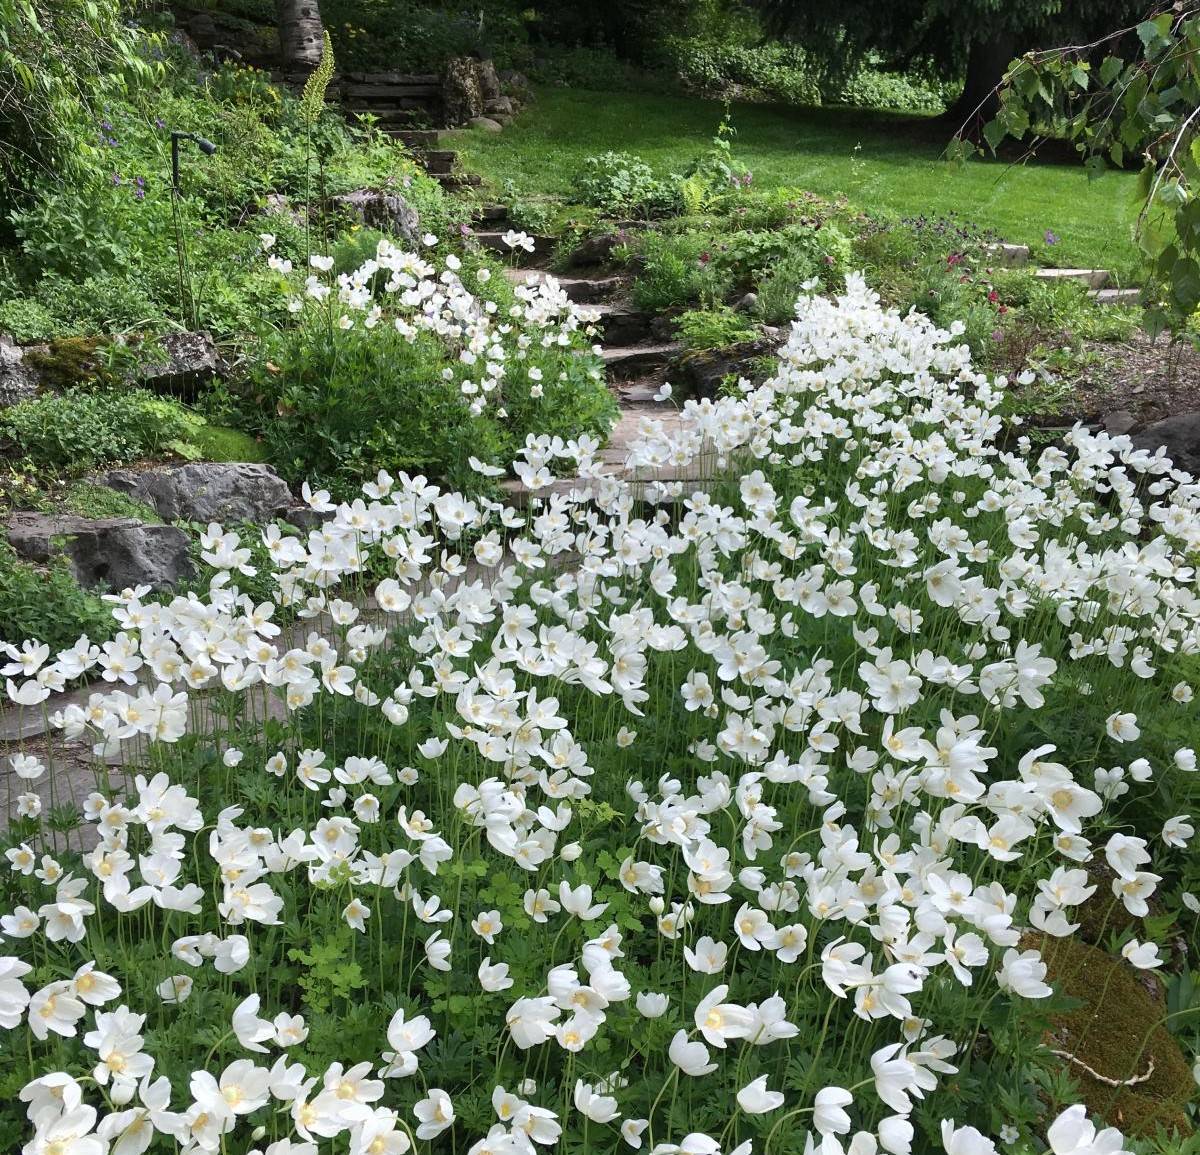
<point x="1103" y="916"/>
<point x="1117" y="1031"/>
<point x="70" y="361"/>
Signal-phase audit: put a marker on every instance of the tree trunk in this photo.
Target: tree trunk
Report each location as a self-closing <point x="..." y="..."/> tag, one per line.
<point x="987" y="62"/>
<point x="300" y="34"/>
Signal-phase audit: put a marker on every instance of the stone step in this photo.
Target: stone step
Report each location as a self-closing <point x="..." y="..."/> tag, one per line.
<point x="494" y="240"/>
<point x="393" y="79"/>
<point x="437" y="161"/>
<point x="417" y="138"/>
<point x="699" y="474"/>
<point x="1093" y="278"/>
<point x="1011" y="256"/>
<point x="621" y="324"/>
<point x="581" y="290"/>
<point x="1116" y="296"/>
<point x="391" y="120"/>
<point x="625" y="361"/>
<point x="397" y="92"/>
<point x="452" y="181"/>
<point x="490" y="214"/>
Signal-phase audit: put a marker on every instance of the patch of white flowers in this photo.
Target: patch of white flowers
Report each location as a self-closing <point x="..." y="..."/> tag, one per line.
<point x="849" y="834"/>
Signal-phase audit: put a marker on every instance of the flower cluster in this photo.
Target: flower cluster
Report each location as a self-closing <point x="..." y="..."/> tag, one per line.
<point x="688" y="819"/>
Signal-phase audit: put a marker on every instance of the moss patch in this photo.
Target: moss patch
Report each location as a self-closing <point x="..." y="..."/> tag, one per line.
<point x="222" y="443"/>
<point x="71" y="361"/>
<point x="98" y="501"/>
<point x="1112" y="1033"/>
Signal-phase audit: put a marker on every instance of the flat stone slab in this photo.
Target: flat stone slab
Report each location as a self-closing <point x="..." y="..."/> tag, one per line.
<point x="629" y="360"/>
<point x="1093" y="278"/>
<point x="1011" y="256"/>
<point x="581" y="290"/>
<point x="1115" y="296"/>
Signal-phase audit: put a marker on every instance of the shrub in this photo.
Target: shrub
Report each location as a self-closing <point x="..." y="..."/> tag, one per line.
<point x="904" y="92"/>
<point x="678" y="270"/>
<point x="81" y="430"/>
<point x="713" y="328"/>
<point x="45" y="603"/>
<point x="621" y="184"/>
<point x="372" y="381"/>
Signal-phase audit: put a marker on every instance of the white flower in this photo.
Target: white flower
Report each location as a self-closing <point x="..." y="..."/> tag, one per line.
<point x="1144" y="955"/>
<point x="1073" y="1134"/>
<point x="965" y="1140"/>
<point x="755" y="1099"/>
<point x="652" y="1005"/>
<point x="690" y="1057"/>
<point x="434" y="1114"/>
<point x="598" y="1108"/>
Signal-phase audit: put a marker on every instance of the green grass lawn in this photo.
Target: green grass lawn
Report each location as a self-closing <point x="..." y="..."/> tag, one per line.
<point x="897" y="167"/>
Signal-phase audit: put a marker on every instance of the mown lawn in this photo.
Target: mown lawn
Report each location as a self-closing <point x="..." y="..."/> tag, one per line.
<point x="879" y="160"/>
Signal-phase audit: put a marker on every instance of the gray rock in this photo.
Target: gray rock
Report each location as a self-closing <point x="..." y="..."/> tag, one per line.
<point x="187" y="361"/>
<point x="489" y="81"/>
<point x="703" y="372"/>
<point x="386" y="211"/>
<point x="1179" y="436"/>
<point x="278" y="205"/>
<point x="206" y="491"/>
<point x="747" y="304"/>
<point x="18" y="379"/>
<point x="115" y="551"/>
<point x="596" y="250"/>
<point x="486" y="123"/>
<point x="501" y="105"/>
<point x="1119" y="421"/>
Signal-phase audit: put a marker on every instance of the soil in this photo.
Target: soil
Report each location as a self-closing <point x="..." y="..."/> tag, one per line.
<point x="1150" y="379"/>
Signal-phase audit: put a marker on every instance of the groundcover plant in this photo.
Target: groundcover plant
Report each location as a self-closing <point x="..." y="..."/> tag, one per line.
<point x="734" y="823"/>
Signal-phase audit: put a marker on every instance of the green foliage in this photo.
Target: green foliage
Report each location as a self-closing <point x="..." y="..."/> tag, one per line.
<point x="772" y="71"/>
<point x="60" y="61"/>
<point x="871" y="87"/>
<point x="713" y="328"/>
<point x="677" y="270"/>
<point x="78" y="431"/>
<point x="46" y="603"/>
<point x="1125" y="110"/>
<point x="622" y="185"/>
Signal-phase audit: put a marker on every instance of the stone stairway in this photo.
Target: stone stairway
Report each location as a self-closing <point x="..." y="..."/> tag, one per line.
<point x="638" y="364"/>
<point x="1017" y="257"/>
<point x="405" y="106"/>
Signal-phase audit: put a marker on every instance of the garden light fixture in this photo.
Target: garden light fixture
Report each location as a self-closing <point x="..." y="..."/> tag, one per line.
<point x="205" y="146"/>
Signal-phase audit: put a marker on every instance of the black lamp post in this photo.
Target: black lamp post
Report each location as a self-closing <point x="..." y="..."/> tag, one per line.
<point x="207" y="147"/>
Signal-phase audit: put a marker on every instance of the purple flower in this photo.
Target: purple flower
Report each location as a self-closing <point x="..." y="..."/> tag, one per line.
<point x="116" y="178"/>
<point x="159" y="122"/>
<point x="1051" y="237"/>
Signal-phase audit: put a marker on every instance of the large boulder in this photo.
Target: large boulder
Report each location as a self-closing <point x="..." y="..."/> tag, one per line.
<point x="19" y="380"/>
<point x="462" y="92"/>
<point x="1179" y="436"/>
<point x="387" y="211"/>
<point x="114" y="551"/>
<point x="206" y="491"/>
